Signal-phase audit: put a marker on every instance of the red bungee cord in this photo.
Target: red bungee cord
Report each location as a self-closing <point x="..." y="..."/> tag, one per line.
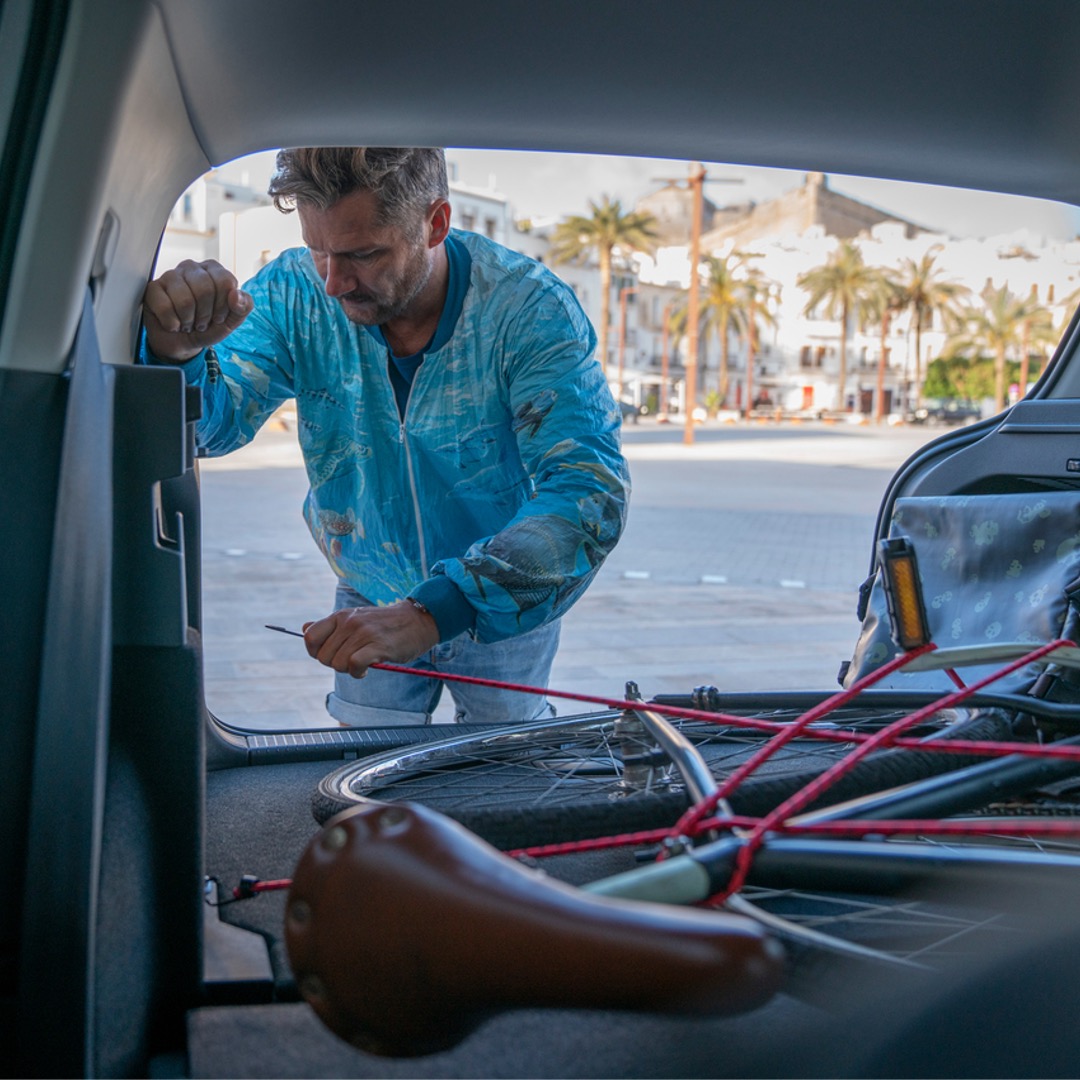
<point x="701" y="817"/>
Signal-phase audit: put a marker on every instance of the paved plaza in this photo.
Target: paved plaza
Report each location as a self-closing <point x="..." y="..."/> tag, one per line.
<point x="739" y="567"/>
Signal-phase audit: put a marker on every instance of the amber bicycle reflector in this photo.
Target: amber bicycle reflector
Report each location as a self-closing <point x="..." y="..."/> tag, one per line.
<point x="903" y="593"/>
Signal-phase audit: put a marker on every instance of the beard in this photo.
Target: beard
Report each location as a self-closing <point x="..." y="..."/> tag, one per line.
<point x="394" y="298"/>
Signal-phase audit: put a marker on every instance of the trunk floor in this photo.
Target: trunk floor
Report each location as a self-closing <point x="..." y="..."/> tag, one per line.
<point x="288" y="1040"/>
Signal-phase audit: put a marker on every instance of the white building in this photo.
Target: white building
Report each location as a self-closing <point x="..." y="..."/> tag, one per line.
<point x="193" y="228"/>
<point x="798" y="360"/>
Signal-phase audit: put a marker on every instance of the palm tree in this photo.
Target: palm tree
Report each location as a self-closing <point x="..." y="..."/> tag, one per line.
<point x="607" y="228"/>
<point x="885" y="300"/>
<point x="925" y="293"/>
<point x="840" y="288"/>
<point x="723" y="307"/>
<point x="1004" y="323"/>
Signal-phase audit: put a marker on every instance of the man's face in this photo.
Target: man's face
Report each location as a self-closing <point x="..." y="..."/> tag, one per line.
<point x="374" y="271"/>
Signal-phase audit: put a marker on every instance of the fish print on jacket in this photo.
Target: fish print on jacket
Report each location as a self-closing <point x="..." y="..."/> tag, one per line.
<point x="531" y="415"/>
<point x="601" y="517"/>
<point x="535" y="561"/>
<point x="337" y="527"/>
<point x="517" y="510"/>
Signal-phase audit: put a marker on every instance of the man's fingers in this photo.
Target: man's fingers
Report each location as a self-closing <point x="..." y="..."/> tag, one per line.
<point x="333" y="640"/>
<point x="214" y="287"/>
<point x="359" y="662"/>
<point x="168" y="299"/>
<point x="191" y="288"/>
<point x="350" y="650"/>
<point x="237" y="308"/>
<point x="191" y="307"/>
<point x="349" y="640"/>
<point x="316" y="633"/>
<point x="352" y="639"/>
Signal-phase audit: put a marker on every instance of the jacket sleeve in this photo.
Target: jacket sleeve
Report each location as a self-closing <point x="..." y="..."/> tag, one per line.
<point x="252" y="376"/>
<point x="567" y="429"/>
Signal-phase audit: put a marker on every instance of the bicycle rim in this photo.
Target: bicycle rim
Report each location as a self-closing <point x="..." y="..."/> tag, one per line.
<point x="581" y="777"/>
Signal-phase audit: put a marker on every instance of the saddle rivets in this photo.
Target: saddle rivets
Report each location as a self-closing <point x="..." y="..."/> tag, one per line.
<point x="335" y="839"/>
<point x="393" y="819"/>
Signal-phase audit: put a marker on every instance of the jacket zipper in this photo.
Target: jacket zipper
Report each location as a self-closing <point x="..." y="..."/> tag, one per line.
<point x="415" y="499"/>
<point x="409" y="469"/>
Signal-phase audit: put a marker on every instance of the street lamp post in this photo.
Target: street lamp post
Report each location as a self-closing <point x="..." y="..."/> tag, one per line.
<point x="623" y="294"/>
<point x="665" y="390"/>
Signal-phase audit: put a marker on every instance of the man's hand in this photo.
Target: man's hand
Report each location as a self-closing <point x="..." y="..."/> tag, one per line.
<point x="352" y="639"/>
<point x="191" y="308"/>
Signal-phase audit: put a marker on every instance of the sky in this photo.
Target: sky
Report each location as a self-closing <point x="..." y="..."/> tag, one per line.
<point x="554" y="185"/>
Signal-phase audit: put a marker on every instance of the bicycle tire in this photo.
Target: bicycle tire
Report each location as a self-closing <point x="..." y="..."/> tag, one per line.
<point x="467" y="778"/>
<point x="835" y="931"/>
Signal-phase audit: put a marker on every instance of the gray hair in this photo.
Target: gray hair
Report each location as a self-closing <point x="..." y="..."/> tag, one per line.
<point x="406" y="180"/>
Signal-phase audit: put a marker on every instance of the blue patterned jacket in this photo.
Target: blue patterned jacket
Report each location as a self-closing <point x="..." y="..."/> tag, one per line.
<point x="505" y="478"/>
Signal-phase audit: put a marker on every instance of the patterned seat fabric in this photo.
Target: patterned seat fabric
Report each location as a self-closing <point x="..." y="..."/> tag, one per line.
<point x="994" y="568"/>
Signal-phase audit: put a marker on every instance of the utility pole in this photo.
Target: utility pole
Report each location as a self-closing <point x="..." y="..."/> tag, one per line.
<point x="665" y="389"/>
<point x="697" y="184"/>
<point x="883" y="363"/>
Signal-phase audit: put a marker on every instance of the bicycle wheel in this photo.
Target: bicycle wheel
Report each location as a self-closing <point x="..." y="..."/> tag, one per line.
<point x="600" y="774"/>
<point x="559" y="780"/>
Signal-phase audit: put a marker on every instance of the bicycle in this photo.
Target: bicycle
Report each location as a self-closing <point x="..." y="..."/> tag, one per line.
<point x="842" y="882"/>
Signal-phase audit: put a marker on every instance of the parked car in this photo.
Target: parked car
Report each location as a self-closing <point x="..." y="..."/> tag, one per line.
<point x="946" y="411"/>
<point x="122" y="795"/>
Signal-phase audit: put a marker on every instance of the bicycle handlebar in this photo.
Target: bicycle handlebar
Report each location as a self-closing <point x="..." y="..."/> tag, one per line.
<point x="405" y="931"/>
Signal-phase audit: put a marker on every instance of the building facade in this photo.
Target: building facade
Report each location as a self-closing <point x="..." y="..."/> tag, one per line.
<point x="796" y="359"/>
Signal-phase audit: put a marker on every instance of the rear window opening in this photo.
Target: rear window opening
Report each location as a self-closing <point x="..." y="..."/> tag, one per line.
<point x="751" y="523"/>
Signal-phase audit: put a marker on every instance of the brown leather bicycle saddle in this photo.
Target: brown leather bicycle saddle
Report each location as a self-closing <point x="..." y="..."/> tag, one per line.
<point x="405" y="931"/>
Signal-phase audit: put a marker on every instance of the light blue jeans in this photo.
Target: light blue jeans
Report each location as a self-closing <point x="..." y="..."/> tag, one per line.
<point x="389" y="699"/>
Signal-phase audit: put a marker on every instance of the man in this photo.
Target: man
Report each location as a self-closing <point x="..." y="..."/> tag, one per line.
<point x="461" y="443"/>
